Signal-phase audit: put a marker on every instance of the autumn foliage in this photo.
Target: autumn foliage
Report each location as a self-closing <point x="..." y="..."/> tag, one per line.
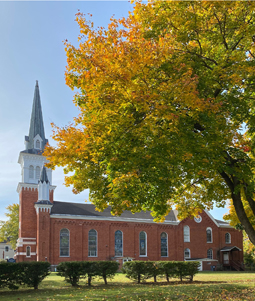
<point x="167" y="109"/>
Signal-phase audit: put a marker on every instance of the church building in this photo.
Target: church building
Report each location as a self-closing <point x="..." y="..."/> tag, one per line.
<point x="57" y="231"/>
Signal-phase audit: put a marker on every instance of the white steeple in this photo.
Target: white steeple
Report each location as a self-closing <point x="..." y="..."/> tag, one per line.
<point x="31" y="159"/>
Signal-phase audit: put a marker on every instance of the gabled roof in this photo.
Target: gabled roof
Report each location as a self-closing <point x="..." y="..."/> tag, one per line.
<point x="88" y="210"/>
<point x="230" y="248"/>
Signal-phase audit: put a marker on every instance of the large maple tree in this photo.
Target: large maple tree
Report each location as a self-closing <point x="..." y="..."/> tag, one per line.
<point x="167" y="109"/>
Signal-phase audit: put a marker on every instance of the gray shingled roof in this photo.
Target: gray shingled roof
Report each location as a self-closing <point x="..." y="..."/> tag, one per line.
<point x="36" y="121"/>
<point x="65" y="208"/>
<point x="221" y="222"/>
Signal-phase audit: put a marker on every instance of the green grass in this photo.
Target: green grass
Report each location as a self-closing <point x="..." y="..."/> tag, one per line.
<point x="206" y="286"/>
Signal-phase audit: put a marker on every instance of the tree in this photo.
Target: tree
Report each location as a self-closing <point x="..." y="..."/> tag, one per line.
<point x="9" y="230"/>
<point x="167" y="109"/>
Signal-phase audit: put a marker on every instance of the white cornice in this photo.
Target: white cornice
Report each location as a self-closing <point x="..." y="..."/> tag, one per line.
<point x="113" y="218"/>
<point x="31" y="186"/>
<point x="43" y="208"/>
<point x="34" y="156"/>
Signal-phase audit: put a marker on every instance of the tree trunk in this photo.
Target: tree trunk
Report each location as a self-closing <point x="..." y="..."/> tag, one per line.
<point x="234" y="186"/>
<point x="105" y="279"/>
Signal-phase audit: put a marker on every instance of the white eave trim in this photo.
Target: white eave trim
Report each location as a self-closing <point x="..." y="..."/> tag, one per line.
<point x="113" y="218"/>
<point x="218" y="224"/>
<point x="211" y="217"/>
<point x="32" y="186"/>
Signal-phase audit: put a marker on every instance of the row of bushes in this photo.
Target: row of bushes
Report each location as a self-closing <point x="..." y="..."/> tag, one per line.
<point x="32" y="273"/>
<point x="73" y="271"/>
<point x="23" y="273"/>
<point x="140" y="270"/>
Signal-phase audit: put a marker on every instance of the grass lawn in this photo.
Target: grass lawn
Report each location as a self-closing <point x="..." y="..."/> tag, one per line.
<point x="206" y="286"/>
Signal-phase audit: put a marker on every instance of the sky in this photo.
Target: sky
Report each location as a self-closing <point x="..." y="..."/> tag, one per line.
<point x="32" y="35"/>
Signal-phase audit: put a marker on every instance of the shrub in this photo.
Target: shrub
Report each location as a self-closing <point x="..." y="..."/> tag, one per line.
<point x="168" y="268"/>
<point x="152" y="269"/>
<point x="134" y="270"/>
<point x="72" y="271"/>
<point x="139" y="270"/>
<point x="106" y="269"/>
<point x="32" y="273"/>
<point x="9" y="275"/>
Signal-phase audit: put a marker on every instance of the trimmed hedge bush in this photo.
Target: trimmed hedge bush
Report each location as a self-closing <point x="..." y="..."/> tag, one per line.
<point x="73" y="271"/>
<point x="140" y="270"/>
<point x="34" y="272"/>
<point x="23" y="273"/>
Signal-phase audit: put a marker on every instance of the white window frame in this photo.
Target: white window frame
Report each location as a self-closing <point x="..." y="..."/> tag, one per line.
<point x="38" y="144"/>
<point x="96" y="243"/>
<point x="121" y="243"/>
<point x="187" y="249"/>
<point x="37" y="172"/>
<point x="166" y="245"/>
<point x="145" y="244"/>
<point x="209" y="229"/>
<point x="210" y="253"/>
<point x="229" y="240"/>
<point x="68" y="243"/>
<point x="28" y="251"/>
<point x="186" y="236"/>
<point x="31" y="172"/>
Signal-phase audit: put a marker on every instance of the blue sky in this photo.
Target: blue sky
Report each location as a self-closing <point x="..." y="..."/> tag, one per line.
<point x="32" y="35"/>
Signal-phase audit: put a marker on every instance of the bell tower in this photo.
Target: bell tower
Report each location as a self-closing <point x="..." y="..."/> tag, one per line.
<point x="32" y="162"/>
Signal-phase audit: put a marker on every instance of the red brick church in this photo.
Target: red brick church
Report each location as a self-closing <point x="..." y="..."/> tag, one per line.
<point x="60" y="231"/>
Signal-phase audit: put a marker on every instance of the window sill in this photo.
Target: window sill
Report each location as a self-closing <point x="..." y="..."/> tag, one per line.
<point x="64" y="256"/>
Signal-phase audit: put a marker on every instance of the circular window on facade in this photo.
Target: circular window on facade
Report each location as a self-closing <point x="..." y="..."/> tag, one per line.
<point x="198" y="219"/>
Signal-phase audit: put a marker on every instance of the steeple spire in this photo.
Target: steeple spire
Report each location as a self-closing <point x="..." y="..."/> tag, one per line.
<point x="36" y="123"/>
<point x="43" y="187"/>
<point x="44" y="177"/>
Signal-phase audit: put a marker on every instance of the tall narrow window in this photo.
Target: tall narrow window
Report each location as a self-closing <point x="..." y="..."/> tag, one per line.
<point x="209" y="234"/>
<point x="186" y="234"/>
<point x="92" y="243"/>
<point x="28" y="251"/>
<point x="64" y="243"/>
<point x="118" y="243"/>
<point x="163" y="240"/>
<point x="37" y="144"/>
<point x="210" y="254"/>
<point x="227" y="238"/>
<point x="37" y="172"/>
<point x="31" y="171"/>
<point x="186" y="253"/>
<point x="143" y="243"/>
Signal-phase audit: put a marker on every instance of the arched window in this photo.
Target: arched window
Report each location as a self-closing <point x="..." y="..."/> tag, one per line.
<point x="28" y="251"/>
<point x="37" y="172"/>
<point x="227" y="238"/>
<point x="37" y="144"/>
<point x="92" y="243"/>
<point x="163" y="240"/>
<point x="31" y="172"/>
<point x="186" y="253"/>
<point x="186" y="234"/>
<point x="143" y="244"/>
<point x="118" y="243"/>
<point x="209" y="234"/>
<point x="64" y="245"/>
<point x="210" y="254"/>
